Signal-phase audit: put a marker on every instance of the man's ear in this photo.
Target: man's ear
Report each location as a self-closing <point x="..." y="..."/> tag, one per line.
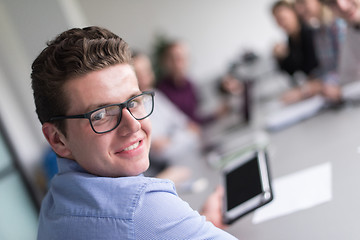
<point x="56" y="139"/>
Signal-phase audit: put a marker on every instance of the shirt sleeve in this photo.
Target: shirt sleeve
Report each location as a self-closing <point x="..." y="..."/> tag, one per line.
<point x="163" y="215"/>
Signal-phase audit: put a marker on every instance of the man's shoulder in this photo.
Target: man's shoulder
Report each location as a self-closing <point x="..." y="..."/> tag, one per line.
<point x="147" y="184"/>
<point x="87" y="195"/>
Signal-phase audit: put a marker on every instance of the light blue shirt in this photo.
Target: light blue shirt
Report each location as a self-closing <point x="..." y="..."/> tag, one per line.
<point x="80" y="205"/>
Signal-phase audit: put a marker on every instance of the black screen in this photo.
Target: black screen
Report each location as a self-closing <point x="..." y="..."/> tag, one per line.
<point x="243" y="183"/>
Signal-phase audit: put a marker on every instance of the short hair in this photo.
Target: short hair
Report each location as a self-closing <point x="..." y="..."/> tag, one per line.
<point x="72" y="54"/>
<point x="169" y="46"/>
<point x="282" y="3"/>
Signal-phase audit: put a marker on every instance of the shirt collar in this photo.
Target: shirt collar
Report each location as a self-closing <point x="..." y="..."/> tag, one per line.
<point x="68" y="165"/>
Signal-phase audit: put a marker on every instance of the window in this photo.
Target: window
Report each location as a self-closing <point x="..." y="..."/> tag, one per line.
<point x="18" y="208"/>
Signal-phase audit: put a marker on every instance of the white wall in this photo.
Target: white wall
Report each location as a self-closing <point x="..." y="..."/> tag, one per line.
<point x="17" y="110"/>
<point x="216" y="31"/>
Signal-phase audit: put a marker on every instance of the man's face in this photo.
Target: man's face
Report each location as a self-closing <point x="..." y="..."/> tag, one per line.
<point x="121" y="152"/>
<point x="347" y="9"/>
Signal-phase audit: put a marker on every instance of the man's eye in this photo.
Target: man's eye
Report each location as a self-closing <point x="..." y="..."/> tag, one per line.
<point x="99" y="115"/>
<point x="133" y="103"/>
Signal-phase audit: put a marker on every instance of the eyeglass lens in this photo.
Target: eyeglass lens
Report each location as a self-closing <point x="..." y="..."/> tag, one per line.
<point x="108" y="118"/>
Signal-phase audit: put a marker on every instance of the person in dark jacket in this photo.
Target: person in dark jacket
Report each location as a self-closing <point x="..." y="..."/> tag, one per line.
<point x="298" y="54"/>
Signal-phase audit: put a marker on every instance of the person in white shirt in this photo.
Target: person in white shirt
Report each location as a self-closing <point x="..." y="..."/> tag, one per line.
<point x="175" y="136"/>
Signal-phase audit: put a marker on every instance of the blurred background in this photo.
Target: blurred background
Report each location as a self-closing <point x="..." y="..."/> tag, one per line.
<point x="219" y="35"/>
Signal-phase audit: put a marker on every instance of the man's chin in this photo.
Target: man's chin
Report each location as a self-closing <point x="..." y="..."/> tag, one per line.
<point x="141" y="169"/>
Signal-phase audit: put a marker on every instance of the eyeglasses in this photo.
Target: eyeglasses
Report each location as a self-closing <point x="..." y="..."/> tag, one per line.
<point x="107" y="118"/>
<point x="329" y="2"/>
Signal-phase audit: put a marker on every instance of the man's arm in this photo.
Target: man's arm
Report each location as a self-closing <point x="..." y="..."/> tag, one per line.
<point x="163" y="215"/>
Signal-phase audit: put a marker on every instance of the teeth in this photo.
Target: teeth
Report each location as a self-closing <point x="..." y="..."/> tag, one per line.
<point x="132" y="147"/>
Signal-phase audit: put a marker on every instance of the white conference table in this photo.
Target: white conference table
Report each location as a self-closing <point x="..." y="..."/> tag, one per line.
<point x="332" y="136"/>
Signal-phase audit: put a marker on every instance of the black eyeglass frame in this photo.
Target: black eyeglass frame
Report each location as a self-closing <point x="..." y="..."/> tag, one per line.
<point x="121" y="105"/>
<point x="328" y="2"/>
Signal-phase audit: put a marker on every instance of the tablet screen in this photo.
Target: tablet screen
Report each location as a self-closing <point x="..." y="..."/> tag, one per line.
<point x="243" y="183"/>
<point x="247" y="184"/>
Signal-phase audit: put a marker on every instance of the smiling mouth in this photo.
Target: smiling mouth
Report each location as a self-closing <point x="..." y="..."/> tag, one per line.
<point x="135" y="145"/>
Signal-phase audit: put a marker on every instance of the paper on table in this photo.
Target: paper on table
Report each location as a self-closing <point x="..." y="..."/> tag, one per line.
<point x="294" y="113"/>
<point x="297" y="191"/>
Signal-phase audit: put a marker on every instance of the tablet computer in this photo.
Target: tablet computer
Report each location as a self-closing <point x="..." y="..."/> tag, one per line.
<point x="247" y="184"/>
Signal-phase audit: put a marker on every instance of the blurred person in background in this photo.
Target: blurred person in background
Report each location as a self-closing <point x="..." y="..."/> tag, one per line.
<point x="349" y="10"/>
<point x="298" y="54"/>
<point x="179" y="88"/>
<point x="328" y="33"/>
<point x="233" y="91"/>
<point x="174" y="135"/>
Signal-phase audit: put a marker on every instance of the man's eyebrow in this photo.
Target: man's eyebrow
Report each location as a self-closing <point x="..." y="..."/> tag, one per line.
<point x="96" y="106"/>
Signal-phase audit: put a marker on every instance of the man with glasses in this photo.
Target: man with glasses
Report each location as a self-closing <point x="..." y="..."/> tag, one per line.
<point x="95" y="118"/>
<point x="349" y="10"/>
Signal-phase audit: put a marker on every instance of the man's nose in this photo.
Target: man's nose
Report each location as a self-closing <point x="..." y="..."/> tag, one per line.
<point x="128" y="123"/>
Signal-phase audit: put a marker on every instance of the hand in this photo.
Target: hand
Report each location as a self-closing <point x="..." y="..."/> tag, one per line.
<point x="194" y="127"/>
<point x="232" y="85"/>
<point x="222" y="110"/>
<point x="333" y="93"/>
<point x="292" y="96"/>
<point x="212" y="208"/>
<point x="280" y="51"/>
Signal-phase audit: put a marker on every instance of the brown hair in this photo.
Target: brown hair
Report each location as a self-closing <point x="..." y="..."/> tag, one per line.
<point x="72" y="54"/>
<point x="282" y="3"/>
<point x="327" y="16"/>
